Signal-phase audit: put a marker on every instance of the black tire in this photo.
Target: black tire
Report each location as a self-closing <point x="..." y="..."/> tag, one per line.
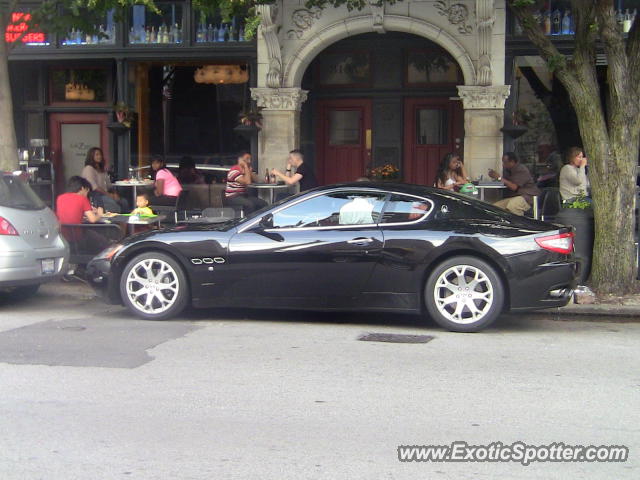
<point x="25" y="291"/>
<point x="457" y="315"/>
<point x="168" y="300"/>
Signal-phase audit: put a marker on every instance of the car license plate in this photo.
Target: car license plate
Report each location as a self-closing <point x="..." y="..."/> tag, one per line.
<point x="48" y="266"/>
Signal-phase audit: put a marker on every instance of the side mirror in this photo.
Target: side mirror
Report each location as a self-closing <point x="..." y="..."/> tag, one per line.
<point x="266" y="221"/>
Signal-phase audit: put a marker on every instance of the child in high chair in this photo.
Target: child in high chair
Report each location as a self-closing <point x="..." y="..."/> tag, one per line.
<point x="142" y="205"/>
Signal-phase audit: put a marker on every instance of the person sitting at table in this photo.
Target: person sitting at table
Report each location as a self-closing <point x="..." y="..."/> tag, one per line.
<point x="142" y="205"/>
<point x="303" y="175"/>
<point x="238" y="177"/>
<point x="187" y="173"/>
<point x="166" y="186"/>
<point x="74" y="206"/>
<point x="95" y="173"/>
<point x="451" y="174"/>
<point x="573" y="176"/>
<point x="520" y="185"/>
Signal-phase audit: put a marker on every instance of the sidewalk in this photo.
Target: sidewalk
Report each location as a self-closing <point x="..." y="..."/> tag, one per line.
<point x="628" y="307"/>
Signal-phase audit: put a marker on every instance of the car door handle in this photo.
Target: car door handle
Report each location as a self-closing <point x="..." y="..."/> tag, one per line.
<point x="360" y="241"/>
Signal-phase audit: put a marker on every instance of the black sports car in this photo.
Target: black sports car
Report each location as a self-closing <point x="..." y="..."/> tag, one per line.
<point x="361" y="246"/>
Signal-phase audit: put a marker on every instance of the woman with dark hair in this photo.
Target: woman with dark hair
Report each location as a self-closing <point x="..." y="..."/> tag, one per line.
<point x="167" y="187"/>
<point x="451" y="174"/>
<point x="95" y="173"/>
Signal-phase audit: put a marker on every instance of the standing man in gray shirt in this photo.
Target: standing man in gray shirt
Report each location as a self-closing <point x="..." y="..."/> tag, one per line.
<point x="520" y="185"/>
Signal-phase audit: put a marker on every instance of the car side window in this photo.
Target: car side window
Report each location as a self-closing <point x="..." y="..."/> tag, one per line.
<point x="405" y="209"/>
<point x="332" y="210"/>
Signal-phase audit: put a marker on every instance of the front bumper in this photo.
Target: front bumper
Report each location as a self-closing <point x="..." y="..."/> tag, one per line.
<point x="98" y="274"/>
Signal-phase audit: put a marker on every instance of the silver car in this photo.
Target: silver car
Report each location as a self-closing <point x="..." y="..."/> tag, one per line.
<point x="32" y="251"/>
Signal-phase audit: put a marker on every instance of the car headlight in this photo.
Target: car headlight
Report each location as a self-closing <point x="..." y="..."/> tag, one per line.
<point x="109" y="252"/>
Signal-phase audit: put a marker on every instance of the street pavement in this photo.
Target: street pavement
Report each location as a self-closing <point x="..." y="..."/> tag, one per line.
<point x="89" y="392"/>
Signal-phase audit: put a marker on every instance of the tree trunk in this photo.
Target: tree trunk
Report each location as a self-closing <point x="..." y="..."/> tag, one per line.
<point x="8" y="144"/>
<point x="613" y="191"/>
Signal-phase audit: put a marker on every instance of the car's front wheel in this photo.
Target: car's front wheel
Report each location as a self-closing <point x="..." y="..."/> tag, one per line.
<point x="464" y="294"/>
<point x="154" y="286"/>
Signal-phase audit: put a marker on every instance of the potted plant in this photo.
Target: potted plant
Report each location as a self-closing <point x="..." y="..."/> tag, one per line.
<point x="386" y="172"/>
<point x="125" y="117"/>
<point x="579" y="214"/>
<point x="250" y="122"/>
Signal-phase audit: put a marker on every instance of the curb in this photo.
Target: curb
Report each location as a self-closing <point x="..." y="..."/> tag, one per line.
<point x="601" y="310"/>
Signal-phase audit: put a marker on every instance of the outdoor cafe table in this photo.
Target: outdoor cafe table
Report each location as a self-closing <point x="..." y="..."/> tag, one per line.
<point x="269" y="187"/>
<point x="134" y="184"/>
<point x="482" y="186"/>
<point x="133" y="220"/>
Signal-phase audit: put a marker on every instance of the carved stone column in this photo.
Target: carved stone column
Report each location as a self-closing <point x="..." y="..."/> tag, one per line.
<point x="483" y="119"/>
<point x="280" y="124"/>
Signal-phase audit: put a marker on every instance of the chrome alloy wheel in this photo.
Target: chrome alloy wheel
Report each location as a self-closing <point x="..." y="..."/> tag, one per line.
<point x="463" y="294"/>
<point x="152" y="286"/>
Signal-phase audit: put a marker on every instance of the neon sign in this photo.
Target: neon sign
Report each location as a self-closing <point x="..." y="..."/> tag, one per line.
<point x="18" y="25"/>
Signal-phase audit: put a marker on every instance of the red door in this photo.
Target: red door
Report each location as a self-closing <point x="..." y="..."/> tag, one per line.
<point x="432" y="128"/>
<point x="71" y="136"/>
<point x="344" y="139"/>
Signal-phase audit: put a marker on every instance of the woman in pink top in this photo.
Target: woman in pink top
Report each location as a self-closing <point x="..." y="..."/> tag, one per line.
<point x="167" y="187"/>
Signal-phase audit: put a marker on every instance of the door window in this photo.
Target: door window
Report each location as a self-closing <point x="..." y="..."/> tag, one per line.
<point x="344" y="127"/>
<point x="403" y="209"/>
<point x="332" y="210"/>
<point x="431" y="126"/>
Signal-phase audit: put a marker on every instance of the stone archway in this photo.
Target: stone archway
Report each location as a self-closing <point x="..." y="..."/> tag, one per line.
<point x="282" y="63"/>
<point x="300" y="60"/>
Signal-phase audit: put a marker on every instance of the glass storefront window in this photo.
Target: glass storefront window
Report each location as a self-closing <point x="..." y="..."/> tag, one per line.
<point x="18" y="25"/>
<point x="148" y="27"/>
<point x="431" y="124"/>
<point x="211" y="29"/>
<point x="106" y="36"/>
<point x="557" y="18"/>
<point x="344" y="127"/>
<point x="79" y="85"/>
<point x="434" y="66"/>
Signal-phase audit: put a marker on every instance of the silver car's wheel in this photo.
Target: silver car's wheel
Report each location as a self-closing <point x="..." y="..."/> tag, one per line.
<point x="464" y="294"/>
<point x="154" y="286"/>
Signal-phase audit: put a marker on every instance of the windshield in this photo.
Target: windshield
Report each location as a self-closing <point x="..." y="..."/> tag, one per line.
<point x="15" y="193"/>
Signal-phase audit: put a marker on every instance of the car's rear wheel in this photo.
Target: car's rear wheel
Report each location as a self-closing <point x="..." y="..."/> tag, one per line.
<point x="154" y="286"/>
<point x="464" y="294"/>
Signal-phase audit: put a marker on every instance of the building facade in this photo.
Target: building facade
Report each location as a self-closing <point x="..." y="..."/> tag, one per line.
<point x="398" y="84"/>
<point x="422" y="78"/>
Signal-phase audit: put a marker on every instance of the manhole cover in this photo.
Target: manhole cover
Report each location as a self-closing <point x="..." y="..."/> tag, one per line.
<point x="395" y="338"/>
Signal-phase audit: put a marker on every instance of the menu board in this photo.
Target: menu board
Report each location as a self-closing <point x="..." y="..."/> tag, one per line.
<point x="76" y="140"/>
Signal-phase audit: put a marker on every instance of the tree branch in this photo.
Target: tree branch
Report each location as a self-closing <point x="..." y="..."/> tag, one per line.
<point x="523" y="10"/>
<point x="621" y="110"/>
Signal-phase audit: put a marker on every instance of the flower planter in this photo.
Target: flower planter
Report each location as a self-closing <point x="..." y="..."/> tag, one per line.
<point x="117" y="128"/>
<point x="514" y="131"/>
<point x="582" y="222"/>
<point x="247" y="131"/>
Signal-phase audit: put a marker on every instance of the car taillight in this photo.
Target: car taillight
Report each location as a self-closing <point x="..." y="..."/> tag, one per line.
<point x="6" y="228"/>
<point x="561" y="243"/>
